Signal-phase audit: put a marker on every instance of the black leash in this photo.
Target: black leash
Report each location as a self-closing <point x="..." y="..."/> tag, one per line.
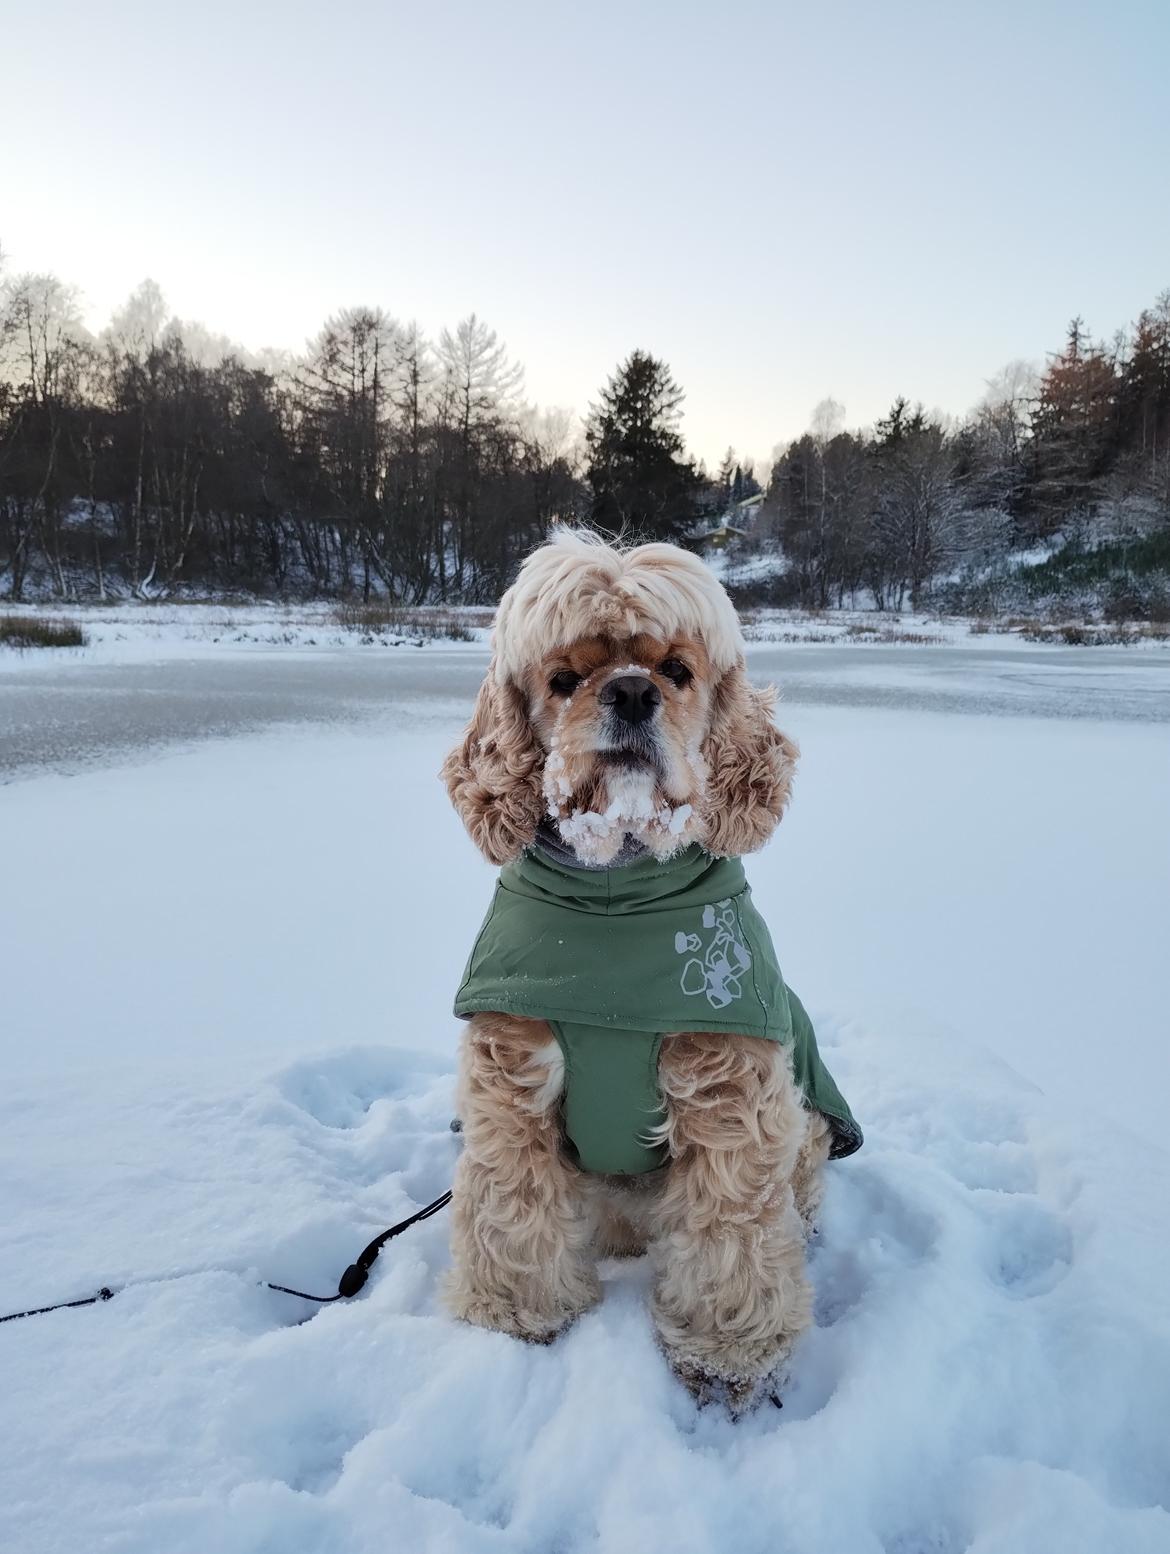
<point x="62" y="1305"/>
<point x="357" y="1273"/>
<point x="349" y="1284"/>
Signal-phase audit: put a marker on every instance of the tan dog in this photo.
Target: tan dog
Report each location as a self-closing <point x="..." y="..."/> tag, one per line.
<point x="616" y="718"/>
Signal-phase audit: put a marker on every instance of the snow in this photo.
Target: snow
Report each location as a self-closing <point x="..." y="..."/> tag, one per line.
<point x="634" y="810"/>
<point x="228" y="1055"/>
<point x="732" y="568"/>
<point x="872" y="629"/>
<point x="139" y="633"/>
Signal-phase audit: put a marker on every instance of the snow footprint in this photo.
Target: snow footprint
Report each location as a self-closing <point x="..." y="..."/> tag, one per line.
<point x="1024" y="1246"/>
<point x="840" y="1281"/>
<point x="872" y="1231"/>
<point x="369" y="1113"/>
<point x="876" y="1240"/>
<point x="338" y="1091"/>
<point x="998" y="1165"/>
<point x="1027" y="1249"/>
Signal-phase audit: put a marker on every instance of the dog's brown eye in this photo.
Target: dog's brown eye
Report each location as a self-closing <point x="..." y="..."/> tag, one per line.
<point x="674" y="669"/>
<point x="564" y="682"/>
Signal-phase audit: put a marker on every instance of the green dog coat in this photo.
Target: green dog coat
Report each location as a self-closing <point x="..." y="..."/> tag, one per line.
<point x="614" y="959"/>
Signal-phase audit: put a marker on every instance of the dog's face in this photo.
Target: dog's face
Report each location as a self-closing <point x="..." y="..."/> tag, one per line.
<point x="617" y="705"/>
<point x="622" y="723"/>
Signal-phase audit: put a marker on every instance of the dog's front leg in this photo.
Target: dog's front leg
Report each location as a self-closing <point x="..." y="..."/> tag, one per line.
<point x="731" y="1295"/>
<point x="520" y="1231"/>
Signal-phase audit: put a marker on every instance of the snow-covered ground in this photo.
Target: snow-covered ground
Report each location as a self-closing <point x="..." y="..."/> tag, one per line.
<point x="137" y="633"/>
<point x="228" y="1053"/>
<point x="129" y="633"/>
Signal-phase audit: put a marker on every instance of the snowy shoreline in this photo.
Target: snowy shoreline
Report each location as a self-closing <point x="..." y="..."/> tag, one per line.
<point x="132" y="632"/>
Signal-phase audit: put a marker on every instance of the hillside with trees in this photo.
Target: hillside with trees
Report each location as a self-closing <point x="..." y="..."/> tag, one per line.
<point x="157" y="459"/>
<point x="1055" y="490"/>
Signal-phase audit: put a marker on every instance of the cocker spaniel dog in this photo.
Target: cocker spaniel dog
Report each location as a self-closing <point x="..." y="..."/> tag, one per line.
<point x="636" y="1076"/>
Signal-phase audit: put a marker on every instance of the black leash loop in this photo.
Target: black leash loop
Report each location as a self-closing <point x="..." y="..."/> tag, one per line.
<point x="349" y="1284"/>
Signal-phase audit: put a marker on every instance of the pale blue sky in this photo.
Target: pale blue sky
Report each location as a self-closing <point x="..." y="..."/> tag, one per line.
<point x="785" y="201"/>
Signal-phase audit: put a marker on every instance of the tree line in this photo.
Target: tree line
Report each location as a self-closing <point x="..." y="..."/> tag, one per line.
<point x="155" y="458"/>
<point x="1074" y="456"/>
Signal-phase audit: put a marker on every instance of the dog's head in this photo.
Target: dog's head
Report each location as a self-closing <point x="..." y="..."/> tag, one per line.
<point x="616" y="704"/>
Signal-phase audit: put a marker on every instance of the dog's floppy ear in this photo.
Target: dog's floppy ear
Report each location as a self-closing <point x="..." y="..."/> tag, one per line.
<point x="494" y="774"/>
<point x="749" y="767"/>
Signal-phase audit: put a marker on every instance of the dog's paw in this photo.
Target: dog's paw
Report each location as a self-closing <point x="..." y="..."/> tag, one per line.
<point x="738" y="1395"/>
<point x="727" y="1385"/>
<point x="497" y="1317"/>
<point x="498" y="1314"/>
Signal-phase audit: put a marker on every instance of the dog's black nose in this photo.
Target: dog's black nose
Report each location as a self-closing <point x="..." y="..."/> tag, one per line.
<point x="633" y="697"/>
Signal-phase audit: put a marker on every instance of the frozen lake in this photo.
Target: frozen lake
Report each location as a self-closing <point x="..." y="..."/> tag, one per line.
<point x="66" y="718"/>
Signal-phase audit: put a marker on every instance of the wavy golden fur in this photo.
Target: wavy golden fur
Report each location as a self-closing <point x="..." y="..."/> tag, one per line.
<point x="494" y="775"/>
<point x="724" y="1221"/>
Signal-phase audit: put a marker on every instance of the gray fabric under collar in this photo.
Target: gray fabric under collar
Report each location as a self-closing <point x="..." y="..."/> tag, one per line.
<point x="552" y="844"/>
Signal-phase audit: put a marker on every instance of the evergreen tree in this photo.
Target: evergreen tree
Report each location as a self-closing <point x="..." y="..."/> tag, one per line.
<point x="1071" y="430"/>
<point x="642" y="484"/>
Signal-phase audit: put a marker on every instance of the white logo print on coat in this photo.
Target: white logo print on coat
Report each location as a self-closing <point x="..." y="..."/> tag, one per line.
<point x="717" y="966"/>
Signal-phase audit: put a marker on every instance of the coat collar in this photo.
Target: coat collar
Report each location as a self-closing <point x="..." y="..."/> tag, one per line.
<point x="645" y="884"/>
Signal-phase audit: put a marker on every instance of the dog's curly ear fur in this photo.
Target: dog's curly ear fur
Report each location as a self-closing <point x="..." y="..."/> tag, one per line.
<point x="494" y="774"/>
<point x="749" y="768"/>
